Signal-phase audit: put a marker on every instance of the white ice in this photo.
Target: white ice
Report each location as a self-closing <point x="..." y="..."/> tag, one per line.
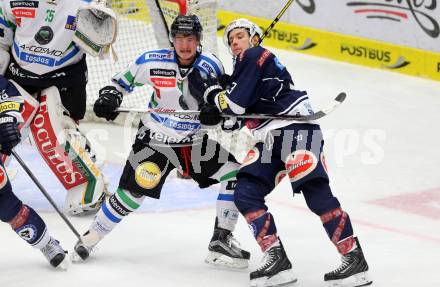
<point x="383" y="153"/>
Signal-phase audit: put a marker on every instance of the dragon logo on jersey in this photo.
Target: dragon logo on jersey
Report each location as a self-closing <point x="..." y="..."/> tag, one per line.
<point x="300" y="164"/>
<point x="251" y="157"/>
<point x="279" y="176"/>
<point x="147" y="175"/>
<point x="3" y="177"/>
<point x="44" y="35"/>
<point x="28" y="232"/>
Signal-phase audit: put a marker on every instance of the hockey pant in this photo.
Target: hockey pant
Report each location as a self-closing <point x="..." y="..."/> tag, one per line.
<point x="296" y="152"/>
<point x="147" y="168"/>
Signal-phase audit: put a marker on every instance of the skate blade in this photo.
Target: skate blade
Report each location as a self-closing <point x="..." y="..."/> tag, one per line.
<point x="222" y="261"/>
<point x="64" y="265"/>
<point x="357" y="280"/>
<point x="284" y="278"/>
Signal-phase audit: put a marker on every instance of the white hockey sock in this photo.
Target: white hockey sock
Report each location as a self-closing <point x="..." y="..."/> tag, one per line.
<point x="113" y="210"/>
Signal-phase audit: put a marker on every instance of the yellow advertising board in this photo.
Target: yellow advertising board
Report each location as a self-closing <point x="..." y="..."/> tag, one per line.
<point x="346" y="48"/>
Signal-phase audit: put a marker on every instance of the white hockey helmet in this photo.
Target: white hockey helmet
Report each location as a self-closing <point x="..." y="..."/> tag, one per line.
<point x="252" y="28"/>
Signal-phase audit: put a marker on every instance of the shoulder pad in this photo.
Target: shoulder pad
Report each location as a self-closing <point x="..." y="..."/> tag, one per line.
<point x="209" y="64"/>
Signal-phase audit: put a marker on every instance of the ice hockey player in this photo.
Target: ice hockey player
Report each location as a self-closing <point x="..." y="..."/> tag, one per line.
<point x="261" y="84"/>
<point x="166" y="142"/>
<point x="48" y="41"/>
<point x="22" y="218"/>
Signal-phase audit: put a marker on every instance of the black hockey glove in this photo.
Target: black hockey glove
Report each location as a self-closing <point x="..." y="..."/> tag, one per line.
<point x="9" y="134"/>
<point x="209" y="115"/>
<point x="108" y="101"/>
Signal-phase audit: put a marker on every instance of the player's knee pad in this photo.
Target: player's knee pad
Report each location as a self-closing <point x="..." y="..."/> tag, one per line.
<point x="249" y="194"/>
<point x="9" y="203"/>
<point x="68" y="154"/>
<point x="262" y="225"/>
<point x="318" y="196"/>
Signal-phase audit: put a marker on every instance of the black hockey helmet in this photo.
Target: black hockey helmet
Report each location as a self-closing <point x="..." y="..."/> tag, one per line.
<point x="186" y="25"/>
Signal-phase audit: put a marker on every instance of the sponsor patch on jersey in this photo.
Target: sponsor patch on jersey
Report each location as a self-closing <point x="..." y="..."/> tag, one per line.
<point x="24" y="4"/>
<point x="28" y="232"/>
<point x="209" y="69"/>
<point x="167" y="55"/>
<point x="9" y="107"/>
<point x="263" y="57"/>
<point x="70" y="23"/>
<point x="24" y="13"/>
<point x="279" y="176"/>
<point x="3" y="177"/>
<point x="300" y="164"/>
<point x="251" y="157"/>
<point x="147" y="175"/>
<point x="162" y="73"/>
<point x="163" y="82"/>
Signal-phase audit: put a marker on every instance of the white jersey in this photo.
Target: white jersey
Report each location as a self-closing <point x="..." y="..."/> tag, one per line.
<point x="160" y="69"/>
<point x="39" y="33"/>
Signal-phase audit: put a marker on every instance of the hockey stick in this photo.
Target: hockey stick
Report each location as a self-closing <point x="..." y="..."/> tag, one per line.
<point x="340" y="98"/>
<point x="48" y="197"/>
<point x="277" y="18"/>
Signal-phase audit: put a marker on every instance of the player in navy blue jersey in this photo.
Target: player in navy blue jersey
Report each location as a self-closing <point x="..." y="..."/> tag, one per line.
<point x="261" y="84"/>
<point x="24" y="220"/>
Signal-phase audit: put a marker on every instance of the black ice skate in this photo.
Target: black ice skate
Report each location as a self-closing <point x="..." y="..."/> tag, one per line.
<point x="225" y="251"/>
<point x="275" y="270"/>
<point x="55" y="254"/>
<point x="85" y="246"/>
<point x="352" y="272"/>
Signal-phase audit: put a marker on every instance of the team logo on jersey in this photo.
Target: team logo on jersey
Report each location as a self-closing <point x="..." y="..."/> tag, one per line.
<point x="147" y="175"/>
<point x="251" y="157"/>
<point x="44" y="35"/>
<point x="279" y="176"/>
<point x="3" y="177"/>
<point x="164" y="82"/>
<point x="162" y="73"/>
<point x="28" y="232"/>
<point x="300" y="164"/>
<point x="70" y="23"/>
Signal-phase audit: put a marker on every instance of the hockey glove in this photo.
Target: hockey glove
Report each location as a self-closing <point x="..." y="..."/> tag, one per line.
<point x="9" y="134"/>
<point x="210" y="115"/>
<point x="108" y="101"/>
<point x="205" y="89"/>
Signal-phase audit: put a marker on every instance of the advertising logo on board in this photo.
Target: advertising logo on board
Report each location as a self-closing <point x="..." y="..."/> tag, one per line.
<point x="386" y="58"/>
<point x="424" y="13"/>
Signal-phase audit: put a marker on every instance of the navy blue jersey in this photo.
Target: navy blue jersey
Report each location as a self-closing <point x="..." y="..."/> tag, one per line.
<point x="261" y="84"/>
